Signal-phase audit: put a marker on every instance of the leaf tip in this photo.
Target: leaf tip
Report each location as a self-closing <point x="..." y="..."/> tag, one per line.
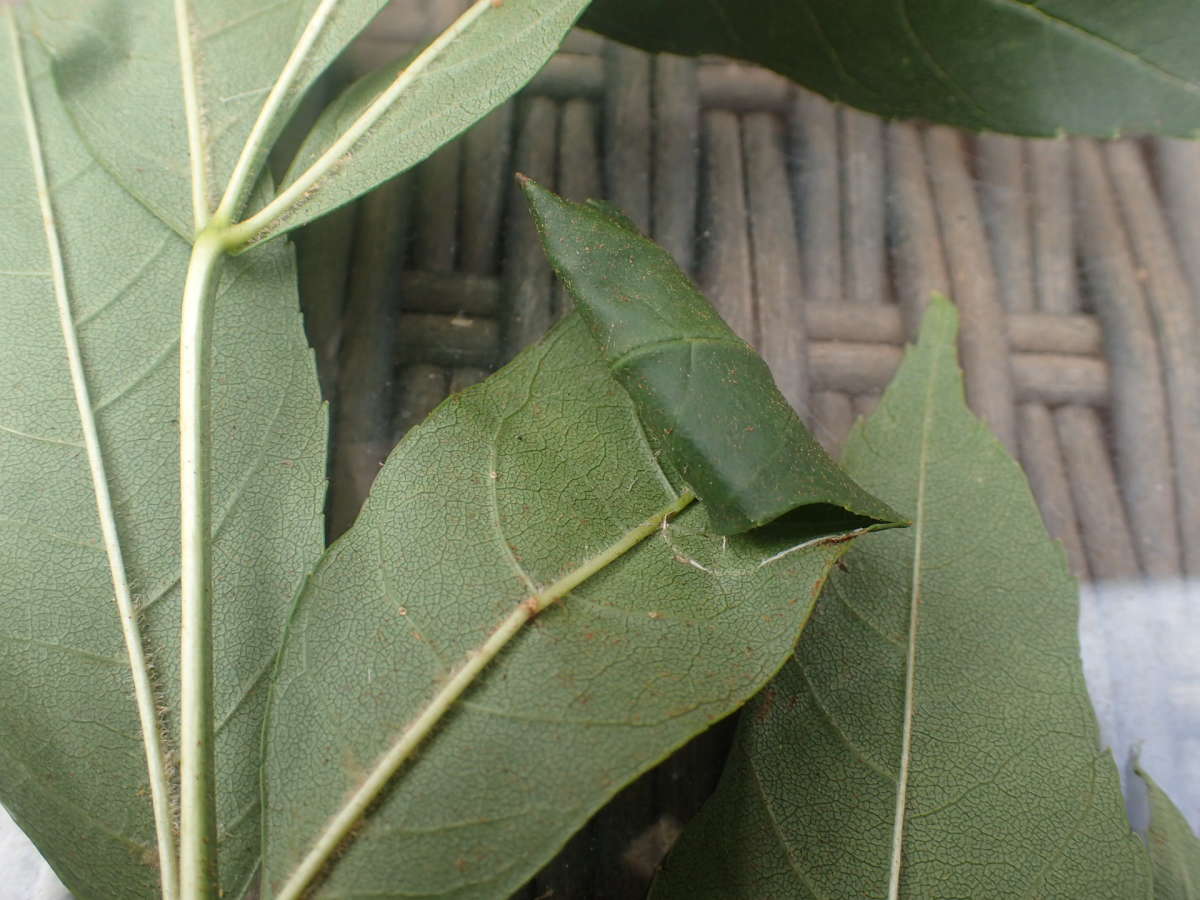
<point x="539" y="198"/>
<point x="940" y="323"/>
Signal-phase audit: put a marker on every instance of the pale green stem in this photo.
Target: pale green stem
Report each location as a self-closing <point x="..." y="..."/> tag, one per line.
<point x="192" y="114"/>
<point x="273" y="107"/>
<point x="197" y="794"/>
<point x="292" y="195"/>
<point x="143" y="688"/>
<point x="356" y="806"/>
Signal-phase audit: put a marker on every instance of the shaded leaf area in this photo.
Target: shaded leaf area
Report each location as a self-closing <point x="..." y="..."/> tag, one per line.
<point x="467" y="72"/>
<point x="72" y="769"/>
<point x="505" y="489"/>
<point x="707" y="400"/>
<point x="998" y="780"/>
<point x="1000" y="65"/>
<point x="1174" y="847"/>
<point x="119" y="68"/>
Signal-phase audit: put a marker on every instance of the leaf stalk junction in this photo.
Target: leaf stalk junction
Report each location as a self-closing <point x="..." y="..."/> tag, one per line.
<point x="219" y="234"/>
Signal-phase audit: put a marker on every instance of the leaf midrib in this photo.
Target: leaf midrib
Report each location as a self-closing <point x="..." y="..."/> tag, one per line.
<point x="919" y="520"/>
<point x="651" y="349"/>
<point x="193" y="115"/>
<point x="274" y="106"/>
<point x="352" y="811"/>
<point x="292" y="195"/>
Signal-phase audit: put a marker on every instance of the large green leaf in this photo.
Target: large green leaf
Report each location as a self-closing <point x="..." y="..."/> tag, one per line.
<point x="932" y="737"/>
<point x="394" y="118"/>
<point x="707" y="400"/>
<point x="428" y="736"/>
<point x="72" y="766"/>
<point x="125" y="69"/>
<point x="1083" y="66"/>
<point x="1174" y="847"/>
<point x="535" y="484"/>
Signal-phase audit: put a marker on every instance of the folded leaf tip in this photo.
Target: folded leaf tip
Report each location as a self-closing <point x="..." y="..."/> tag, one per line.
<point x="707" y="401"/>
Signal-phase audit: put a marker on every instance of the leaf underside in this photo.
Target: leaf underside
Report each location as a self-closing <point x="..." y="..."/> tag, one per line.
<point x="1174" y="847"/>
<point x="671" y="636"/>
<point x="505" y="489"/>
<point x="118" y="67"/>
<point x="1038" y="69"/>
<point x="72" y="769"/>
<point x="1006" y="793"/>
<point x="486" y="63"/>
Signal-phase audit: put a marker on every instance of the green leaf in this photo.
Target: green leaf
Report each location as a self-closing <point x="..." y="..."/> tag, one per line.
<point x="392" y="120"/>
<point x="73" y="766"/>
<point x="147" y="83"/>
<point x="1174" y="848"/>
<point x="707" y="400"/>
<point x="1030" y="68"/>
<point x="932" y="736"/>
<point x="534" y="487"/>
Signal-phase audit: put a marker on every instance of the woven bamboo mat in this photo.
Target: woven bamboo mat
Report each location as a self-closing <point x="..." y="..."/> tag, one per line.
<point x="819" y="232"/>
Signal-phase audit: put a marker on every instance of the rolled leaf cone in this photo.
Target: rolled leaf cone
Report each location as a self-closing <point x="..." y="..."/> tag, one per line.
<point x="706" y="399"/>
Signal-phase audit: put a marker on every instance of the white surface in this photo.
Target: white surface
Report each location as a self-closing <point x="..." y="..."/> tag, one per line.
<point x="1141" y="656"/>
<point x="24" y="875"/>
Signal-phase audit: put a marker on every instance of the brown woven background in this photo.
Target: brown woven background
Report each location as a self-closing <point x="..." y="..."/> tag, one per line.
<point x="820" y="233"/>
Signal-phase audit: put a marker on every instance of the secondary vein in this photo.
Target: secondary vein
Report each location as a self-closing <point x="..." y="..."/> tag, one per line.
<point x="346" y="818"/>
<point x="193" y="115"/>
<point x="142" y="686"/>
<point x="295" y="192"/>
<point x="274" y="107"/>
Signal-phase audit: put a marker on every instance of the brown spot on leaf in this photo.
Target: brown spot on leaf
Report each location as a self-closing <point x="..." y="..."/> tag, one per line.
<point x="765" y="704"/>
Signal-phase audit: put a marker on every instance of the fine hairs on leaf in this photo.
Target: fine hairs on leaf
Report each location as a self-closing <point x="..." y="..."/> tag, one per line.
<point x="74" y="771"/>
<point x="599" y="686"/>
<point x="139" y="667"/>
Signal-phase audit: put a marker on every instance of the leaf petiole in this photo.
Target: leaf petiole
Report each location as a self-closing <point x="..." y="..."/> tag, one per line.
<point x="197" y="792"/>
